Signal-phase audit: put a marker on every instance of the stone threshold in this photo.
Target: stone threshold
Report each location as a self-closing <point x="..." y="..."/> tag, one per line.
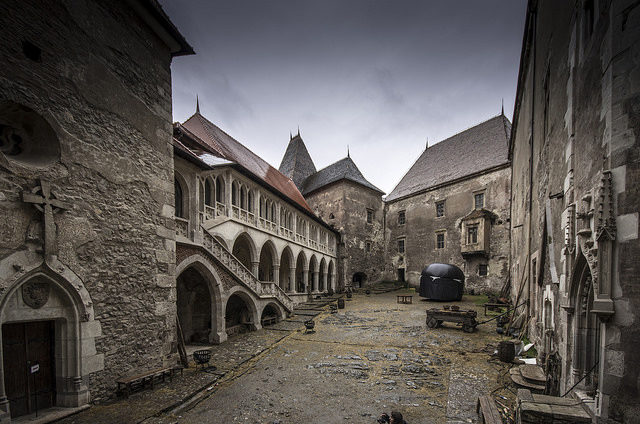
<point x="50" y="415"/>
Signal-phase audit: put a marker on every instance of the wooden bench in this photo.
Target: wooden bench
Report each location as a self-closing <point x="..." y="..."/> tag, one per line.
<point x="269" y="320"/>
<point x="125" y="385"/>
<point x="488" y="411"/>
<point x="405" y="298"/>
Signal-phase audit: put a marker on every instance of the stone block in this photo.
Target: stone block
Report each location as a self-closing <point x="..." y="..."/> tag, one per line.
<point x="90" y="329"/>
<point x="165" y="256"/>
<point x="165" y="280"/>
<point x="92" y="363"/>
<point x="165" y="232"/>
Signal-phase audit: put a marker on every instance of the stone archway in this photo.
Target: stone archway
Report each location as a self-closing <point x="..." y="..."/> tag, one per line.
<point x="243" y="250"/>
<point x="194" y="306"/>
<point x="585" y="327"/>
<point x="301" y="274"/>
<point x="313" y="273"/>
<point x="286" y="265"/>
<point x="270" y="315"/>
<point x="47" y="318"/>
<point x="331" y="284"/>
<point x="268" y="261"/>
<point x="322" y="279"/>
<point x="240" y="314"/>
<point x="359" y="279"/>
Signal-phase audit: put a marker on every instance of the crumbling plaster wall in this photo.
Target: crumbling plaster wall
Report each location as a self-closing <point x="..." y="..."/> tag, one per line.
<point x="422" y="224"/>
<point x="348" y="202"/>
<point x="103" y="83"/>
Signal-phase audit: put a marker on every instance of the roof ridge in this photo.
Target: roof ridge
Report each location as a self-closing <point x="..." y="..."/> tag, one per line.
<point x="464" y="130"/>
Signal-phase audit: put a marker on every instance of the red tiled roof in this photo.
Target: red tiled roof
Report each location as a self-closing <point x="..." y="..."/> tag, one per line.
<point x="222" y="144"/>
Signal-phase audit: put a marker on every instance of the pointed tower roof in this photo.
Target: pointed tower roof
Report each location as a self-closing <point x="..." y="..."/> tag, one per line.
<point x="296" y="162"/>
<point x="344" y="169"/>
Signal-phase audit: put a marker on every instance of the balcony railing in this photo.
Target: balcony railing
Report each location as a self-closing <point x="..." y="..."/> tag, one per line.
<point x="182" y="227"/>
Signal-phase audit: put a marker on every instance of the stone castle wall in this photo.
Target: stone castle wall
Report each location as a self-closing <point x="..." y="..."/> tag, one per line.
<point x="101" y="79"/>
<point x="421" y="226"/>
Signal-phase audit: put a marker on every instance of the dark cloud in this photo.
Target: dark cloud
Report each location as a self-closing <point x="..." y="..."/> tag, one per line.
<point x="382" y="76"/>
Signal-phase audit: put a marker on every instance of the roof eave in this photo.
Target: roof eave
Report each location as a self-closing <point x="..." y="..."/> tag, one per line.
<point x="152" y="13"/>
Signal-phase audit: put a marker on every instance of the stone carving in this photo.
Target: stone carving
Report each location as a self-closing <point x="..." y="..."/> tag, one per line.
<point x="46" y="202"/>
<point x="35" y="294"/>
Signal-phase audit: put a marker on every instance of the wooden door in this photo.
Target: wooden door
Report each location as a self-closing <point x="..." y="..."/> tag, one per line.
<point x="24" y="345"/>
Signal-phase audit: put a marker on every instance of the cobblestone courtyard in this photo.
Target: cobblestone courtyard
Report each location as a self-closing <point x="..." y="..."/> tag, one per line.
<point x="373" y="356"/>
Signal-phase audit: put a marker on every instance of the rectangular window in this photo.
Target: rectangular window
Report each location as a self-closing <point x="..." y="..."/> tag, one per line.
<point x="472" y="234"/>
<point x="482" y="270"/>
<point x="440" y="208"/>
<point x="440" y="241"/>
<point x="367" y="246"/>
<point x="369" y="216"/>
<point x="401" y="218"/>
<point x="400" y="245"/>
<point x="478" y="200"/>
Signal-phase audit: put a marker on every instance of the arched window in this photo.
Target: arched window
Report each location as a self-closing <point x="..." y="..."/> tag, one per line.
<point x="234" y="194"/>
<point x="207" y="192"/>
<point x="261" y="207"/>
<point x="243" y="198"/>
<point x="179" y="199"/>
<point x="250" y="201"/>
<point x="273" y="212"/>
<point x="220" y="190"/>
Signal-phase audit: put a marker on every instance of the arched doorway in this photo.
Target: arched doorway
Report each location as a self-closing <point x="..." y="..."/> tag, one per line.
<point x="359" y="279"/>
<point x="586" y="329"/>
<point x="267" y="262"/>
<point x="243" y="250"/>
<point x="300" y="273"/>
<point x="194" y="306"/>
<point x="313" y="273"/>
<point x="286" y="263"/>
<point x="270" y="315"/>
<point x="238" y="315"/>
<point x="43" y="316"/>
<point x="322" y="279"/>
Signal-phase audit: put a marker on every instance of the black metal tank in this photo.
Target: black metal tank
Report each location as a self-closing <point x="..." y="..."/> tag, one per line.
<point x="442" y="282"/>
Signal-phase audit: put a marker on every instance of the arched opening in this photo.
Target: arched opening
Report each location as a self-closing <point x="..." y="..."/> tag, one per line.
<point x="300" y="273"/>
<point x="234" y="193"/>
<point x="313" y="273"/>
<point x="330" y="276"/>
<point x="220" y="189"/>
<point x="242" y="250"/>
<point x="586" y="328"/>
<point x="238" y="317"/>
<point x="286" y="263"/>
<point x="179" y="199"/>
<point x="243" y="198"/>
<point x="267" y="262"/>
<point x="194" y="302"/>
<point x="323" y="275"/>
<point x="359" y="279"/>
<point x="208" y="191"/>
<point x="250" y="201"/>
<point x="270" y="315"/>
<point x="41" y="323"/>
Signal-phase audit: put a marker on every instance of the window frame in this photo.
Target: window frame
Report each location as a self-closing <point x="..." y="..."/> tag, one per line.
<point x="443" y="204"/>
<point x="486" y="270"/>
<point x="475" y="201"/>
<point x="474" y="227"/>
<point x="404" y="245"/>
<point x="402" y="217"/>
<point x="444" y="240"/>
<point x="369" y="216"/>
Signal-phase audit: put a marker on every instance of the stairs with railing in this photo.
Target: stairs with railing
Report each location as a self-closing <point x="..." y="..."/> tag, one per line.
<point x="262" y="289"/>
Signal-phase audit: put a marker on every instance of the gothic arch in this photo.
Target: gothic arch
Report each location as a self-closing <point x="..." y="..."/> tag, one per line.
<point x="181" y="193"/>
<point x="286" y="263"/>
<point x="249" y="302"/>
<point x="244" y="248"/>
<point x="38" y="292"/>
<point x="216" y="291"/>
<point x="268" y="261"/>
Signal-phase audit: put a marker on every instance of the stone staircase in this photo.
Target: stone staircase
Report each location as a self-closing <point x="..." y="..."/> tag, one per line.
<point x="262" y="289"/>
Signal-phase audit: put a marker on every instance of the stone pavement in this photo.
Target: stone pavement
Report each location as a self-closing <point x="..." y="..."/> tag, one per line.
<point x="371" y="357"/>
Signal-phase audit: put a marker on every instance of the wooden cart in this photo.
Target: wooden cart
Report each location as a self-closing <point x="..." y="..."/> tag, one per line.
<point x="466" y="319"/>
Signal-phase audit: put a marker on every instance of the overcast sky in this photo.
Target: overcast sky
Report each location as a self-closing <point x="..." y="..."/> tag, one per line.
<point x="382" y="77"/>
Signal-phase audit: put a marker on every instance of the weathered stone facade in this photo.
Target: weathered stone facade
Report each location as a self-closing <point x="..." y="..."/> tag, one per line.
<point x="420" y="228"/>
<point x="85" y="114"/>
<point x="357" y="212"/>
<point x="575" y="199"/>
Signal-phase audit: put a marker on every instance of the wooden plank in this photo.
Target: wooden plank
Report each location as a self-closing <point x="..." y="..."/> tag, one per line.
<point x="533" y="373"/>
<point x="488" y="410"/>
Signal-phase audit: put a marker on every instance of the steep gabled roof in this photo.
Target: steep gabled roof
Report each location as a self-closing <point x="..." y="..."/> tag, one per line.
<point x="296" y="162"/>
<point x="223" y="145"/>
<point x="477" y="149"/>
<point x="344" y="169"/>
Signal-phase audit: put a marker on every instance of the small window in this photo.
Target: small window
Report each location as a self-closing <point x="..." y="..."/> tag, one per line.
<point x="401" y="218"/>
<point x="440" y="241"/>
<point x="367" y="246"/>
<point x="472" y="234"/>
<point x="478" y="200"/>
<point x="482" y="270"/>
<point x="369" y="216"/>
<point x="440" y="208"/>
<point x="400" y="245"/>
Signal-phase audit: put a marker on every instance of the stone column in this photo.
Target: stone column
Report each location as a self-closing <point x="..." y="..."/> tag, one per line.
<point x="292" y="280"/>
<point x="254" y="268"/>
<point x="324" y="281"/>
<point x="276" y="274"/>
<point x="314" y="287"/>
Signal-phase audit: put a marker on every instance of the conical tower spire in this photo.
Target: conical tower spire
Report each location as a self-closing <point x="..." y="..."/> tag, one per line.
<point x="197" y="104"/>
